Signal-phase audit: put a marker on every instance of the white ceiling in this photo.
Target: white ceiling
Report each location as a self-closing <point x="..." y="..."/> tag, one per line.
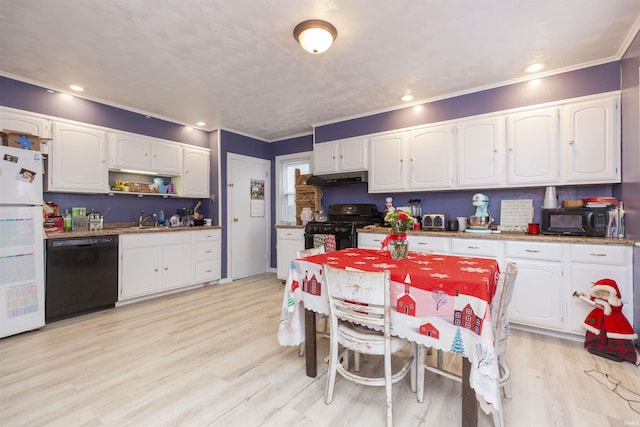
<point x="234" y="63"/>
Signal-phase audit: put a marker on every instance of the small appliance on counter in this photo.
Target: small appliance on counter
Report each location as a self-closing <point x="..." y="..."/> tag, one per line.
<point x="434" y="221"/>
<point x="481" y="220"/>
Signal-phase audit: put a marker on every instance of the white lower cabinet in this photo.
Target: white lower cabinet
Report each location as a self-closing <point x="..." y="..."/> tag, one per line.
<point x="539" y="290"/>
<point x="590" y="263"/>
<point x="289" y="242"/>
<point x="207" y="250"/>
<point x="153" y="263"/>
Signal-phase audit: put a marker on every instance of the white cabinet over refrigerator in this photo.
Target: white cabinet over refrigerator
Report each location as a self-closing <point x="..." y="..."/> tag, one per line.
<point x="21" y="244"/>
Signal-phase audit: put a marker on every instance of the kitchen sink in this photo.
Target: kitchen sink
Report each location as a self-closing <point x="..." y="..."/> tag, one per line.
<point x="142" y="227"/>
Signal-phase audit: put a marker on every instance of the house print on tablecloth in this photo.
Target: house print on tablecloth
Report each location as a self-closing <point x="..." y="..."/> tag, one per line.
<point x="467" y="319"/>
<point x="406" y="303"/>
<point x="311" y="285"/>
<point x="429" y="330"/>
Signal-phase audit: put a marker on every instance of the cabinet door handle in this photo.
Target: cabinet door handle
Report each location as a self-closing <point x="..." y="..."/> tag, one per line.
<point x="532" y="251"/>
<point x="155" y="269"/>
<point x="208" y="252"/>
<point x="473" y="247"/>
<point x="423" y="243"/>
<point x="596" y="254"/>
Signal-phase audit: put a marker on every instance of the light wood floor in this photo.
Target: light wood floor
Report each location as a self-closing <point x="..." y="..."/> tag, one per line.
<point x="211" y="357"/>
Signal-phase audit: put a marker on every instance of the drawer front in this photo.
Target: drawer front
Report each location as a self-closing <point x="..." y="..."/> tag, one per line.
<point x="600" y="254"/>
<point x="208" y="270"/>
<point x="475" y="247"/>
<point x="290" y="234"/>
<point x="207" y="250"/>
<point x="529" y="250"/>
<point x="207" y="235"/>
<point x="423" y="244"/>
<point x="370" y="240"/>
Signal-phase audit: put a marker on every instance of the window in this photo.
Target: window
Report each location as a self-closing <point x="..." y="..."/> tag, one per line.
<point x="286" y="184"/>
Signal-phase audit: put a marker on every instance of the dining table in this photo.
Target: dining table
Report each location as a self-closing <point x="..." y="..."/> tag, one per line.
<point x="439" y="301"/>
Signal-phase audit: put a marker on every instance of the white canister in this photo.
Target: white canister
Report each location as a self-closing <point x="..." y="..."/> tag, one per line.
<point x="462" y="223"/>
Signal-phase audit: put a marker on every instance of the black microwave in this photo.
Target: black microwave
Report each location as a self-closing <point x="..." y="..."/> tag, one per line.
<point x="575" y="221"/>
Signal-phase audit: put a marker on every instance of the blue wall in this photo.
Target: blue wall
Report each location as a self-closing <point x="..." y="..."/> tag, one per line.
<point x="588" y="81"/>
<point x="592" y="80"/>
<point x="124" y="207"/>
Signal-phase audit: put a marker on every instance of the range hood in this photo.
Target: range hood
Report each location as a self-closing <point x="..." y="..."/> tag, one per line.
<point x="334" y="179"/>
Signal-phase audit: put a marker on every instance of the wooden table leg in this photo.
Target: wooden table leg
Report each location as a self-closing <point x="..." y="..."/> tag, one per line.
<point x="469" y="401"/>
<point x="310" y="343"/>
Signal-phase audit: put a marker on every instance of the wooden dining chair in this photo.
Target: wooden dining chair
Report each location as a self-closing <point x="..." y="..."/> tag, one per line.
<point x="303" y="253"/>
<point x="499" y="307"/>
<point x="360" y="310"/>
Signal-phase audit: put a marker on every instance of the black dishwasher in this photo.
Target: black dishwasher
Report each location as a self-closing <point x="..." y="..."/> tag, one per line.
<point x="81" y="276"/>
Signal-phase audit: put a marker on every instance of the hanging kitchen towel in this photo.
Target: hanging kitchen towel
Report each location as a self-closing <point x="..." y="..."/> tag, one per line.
<point x="319" y="241"/>
<point x="330" y="243"/>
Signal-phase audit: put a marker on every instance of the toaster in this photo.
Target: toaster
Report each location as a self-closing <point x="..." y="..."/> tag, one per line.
<point x="433" y="222"/>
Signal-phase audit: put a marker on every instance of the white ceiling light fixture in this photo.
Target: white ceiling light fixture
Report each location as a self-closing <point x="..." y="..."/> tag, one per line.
<point x="315" y="36"/>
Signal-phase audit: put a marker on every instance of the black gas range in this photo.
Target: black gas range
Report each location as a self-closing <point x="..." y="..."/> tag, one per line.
<point x="343" y="221"/>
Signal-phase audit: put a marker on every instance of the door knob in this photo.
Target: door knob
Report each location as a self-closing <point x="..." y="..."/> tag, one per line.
<point x="235" y="219"/>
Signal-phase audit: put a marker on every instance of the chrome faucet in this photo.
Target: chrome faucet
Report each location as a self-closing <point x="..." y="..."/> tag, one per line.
<point x="142" y="219"/>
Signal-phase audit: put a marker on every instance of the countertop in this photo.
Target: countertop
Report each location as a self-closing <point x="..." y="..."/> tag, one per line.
<point x="507" y="236"/>
<point x="288" y="226"/>
<point x="117" y="228"/>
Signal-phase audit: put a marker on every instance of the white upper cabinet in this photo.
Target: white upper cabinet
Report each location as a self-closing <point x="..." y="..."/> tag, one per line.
<point x="166" y="158"/>
<point x="345" y="155"/>
<point x="421" y="159"/>
<point x="195" y="177"/>
<point x="129" y="152"/>
<point x="387" y="165"/>
<point x="24" y="123"/>
<point x="78" y="159"/>
<point x="430" y="154"/>
<point x="591" y="142"/>
<point x="139" y="153"/>
<point x="532" y="147"/>
<point x="481" y="152"/>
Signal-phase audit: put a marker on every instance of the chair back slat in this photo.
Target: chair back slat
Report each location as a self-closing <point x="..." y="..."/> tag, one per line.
<point x="318" y="250"/>
<point x="357" y="296"/>
<point x="501" y="301"/>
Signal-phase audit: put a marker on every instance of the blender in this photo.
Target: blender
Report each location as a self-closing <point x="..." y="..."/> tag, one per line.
<point x="481" y="220"/>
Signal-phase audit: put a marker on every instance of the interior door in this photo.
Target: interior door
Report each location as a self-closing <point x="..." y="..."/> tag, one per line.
<point x="248" y="215"/>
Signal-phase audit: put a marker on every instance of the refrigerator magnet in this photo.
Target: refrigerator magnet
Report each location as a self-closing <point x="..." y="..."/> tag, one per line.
<point x="26" y="175"/>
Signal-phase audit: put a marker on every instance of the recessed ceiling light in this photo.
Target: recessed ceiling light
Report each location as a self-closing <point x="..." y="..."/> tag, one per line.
<point x="534" y="67"/>
<point x="406" y="98"/>
<point x="201" y="123"/>
<point x="77" y="88"/>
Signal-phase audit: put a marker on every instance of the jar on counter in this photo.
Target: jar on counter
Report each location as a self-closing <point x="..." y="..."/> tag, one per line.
<point x="306" y="215"/>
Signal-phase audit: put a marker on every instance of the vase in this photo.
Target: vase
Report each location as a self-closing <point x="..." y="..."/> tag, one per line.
<point x="399" y="248"/>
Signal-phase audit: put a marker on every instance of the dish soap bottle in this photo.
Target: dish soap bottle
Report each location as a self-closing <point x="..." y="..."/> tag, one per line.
<point x="67" y="224"/>
<point x="161" y="218"/>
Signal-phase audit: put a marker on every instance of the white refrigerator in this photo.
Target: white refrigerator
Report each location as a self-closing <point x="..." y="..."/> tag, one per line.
<point x="21" y="241"/>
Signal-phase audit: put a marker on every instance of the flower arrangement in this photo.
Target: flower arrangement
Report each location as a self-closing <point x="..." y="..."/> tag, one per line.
<point x="400" y="221"/>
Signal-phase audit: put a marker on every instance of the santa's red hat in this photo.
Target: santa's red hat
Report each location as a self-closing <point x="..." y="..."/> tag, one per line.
<point x="609" y="286"/>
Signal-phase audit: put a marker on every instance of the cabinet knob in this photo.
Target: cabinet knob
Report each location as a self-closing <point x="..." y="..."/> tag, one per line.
<point x="235" y="219"/>
<point x="165" y="269"/>
<point x="510" y="148"/>
<point x="495" y="150"/>
<point x="571" y="142"/>
<point x="155" y="269"/>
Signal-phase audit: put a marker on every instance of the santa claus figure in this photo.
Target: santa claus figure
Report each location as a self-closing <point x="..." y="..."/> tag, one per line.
<point x="609" y="333"/>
